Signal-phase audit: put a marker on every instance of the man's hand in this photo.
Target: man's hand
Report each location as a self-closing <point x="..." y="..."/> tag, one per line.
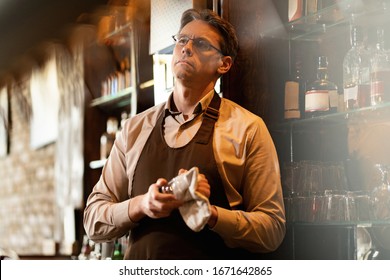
<point x="153" y="203"/>
<point x="204" y="188"/>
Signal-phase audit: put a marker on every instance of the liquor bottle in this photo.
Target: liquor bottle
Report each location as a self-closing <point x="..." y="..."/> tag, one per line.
<point x="293" y="91"/>
<point x="331" y="11"/>
<point x="321" y="92"/>
<point x="380" y="71"/>
<point x="96" y="253"/>
<point x="85" y="249"/>
<point x="127" y="73"/>
<point x="118" y="254"/>
<point x="124" y="117"/>
<point x="356" y="72"/>
<point x="295" y="9"/>
<point x="311" y="9"/>
<point x="108" y="137"/>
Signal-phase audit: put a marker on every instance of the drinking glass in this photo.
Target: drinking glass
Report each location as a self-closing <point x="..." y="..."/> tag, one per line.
<point x="290" y="177"/>
<point x="308" y="207"/>
<point x="299" y="208"/>
<point x="315" y="177"/>
<point x="288" y="208"/>
<point x="380" y="197"/>
<point x="314" y="207"/>
<point x="310" y="177"/>
<point x="361" y="201"/>
<point x="334" y="177"/>
<point x="338" y="206"/>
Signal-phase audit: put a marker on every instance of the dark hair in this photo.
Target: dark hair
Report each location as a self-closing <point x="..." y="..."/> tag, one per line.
<point x="229" y="44"/>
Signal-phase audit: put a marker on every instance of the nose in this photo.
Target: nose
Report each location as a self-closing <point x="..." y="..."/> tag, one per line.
<point x="187" y="48"/>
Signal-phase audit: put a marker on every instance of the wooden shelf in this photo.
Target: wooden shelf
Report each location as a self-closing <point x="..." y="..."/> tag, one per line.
<point x="118" y="100"/>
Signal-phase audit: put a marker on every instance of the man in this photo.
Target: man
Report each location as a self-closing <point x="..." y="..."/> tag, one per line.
<point x="232" y="148"/>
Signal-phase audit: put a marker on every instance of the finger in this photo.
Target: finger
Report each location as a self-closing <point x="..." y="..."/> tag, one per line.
<point x="202" y="178"/>
<point x="204" y="190"/>
<point x="203" y="185"/>
<point x="182" y="171"/>
<point x="164" y="208"/>
<point x="161" y="182"/>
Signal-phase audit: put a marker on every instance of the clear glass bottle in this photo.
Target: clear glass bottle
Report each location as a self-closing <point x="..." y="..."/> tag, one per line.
<point x="331" y="13"/>
<point x="124" y="117"/>
<point x="356" y="72"/>
<point x="85" y="249"/>
<point x="380" y="71"/>
<point x="107" y="139"/>
<point x="96" y="253"/>
<point x="321" y="92"/>
<point x="293" y="91"/>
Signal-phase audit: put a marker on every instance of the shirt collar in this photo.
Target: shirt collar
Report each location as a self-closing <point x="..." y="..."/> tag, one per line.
<point x="171" y="109"/>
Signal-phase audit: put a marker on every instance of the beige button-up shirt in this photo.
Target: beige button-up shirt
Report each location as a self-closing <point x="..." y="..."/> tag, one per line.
<point x="247" y="163"/>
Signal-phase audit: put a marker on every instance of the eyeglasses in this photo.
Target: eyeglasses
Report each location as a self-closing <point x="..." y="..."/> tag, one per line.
<point x="199" y="43"/>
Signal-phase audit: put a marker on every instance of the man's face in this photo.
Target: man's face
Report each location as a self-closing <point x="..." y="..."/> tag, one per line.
<point x="191" y="64"/>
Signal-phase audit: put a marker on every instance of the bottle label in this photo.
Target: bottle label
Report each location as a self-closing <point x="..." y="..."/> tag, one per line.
<point x="295" y="8"/>
<point x="377" y="92"/>
<point x="317" y="100"/>
<point x="351" y="93"/>
<point x="291" y="95"/>
<point x="291" y="100"/>
<point x="292" y="114"/>
<point x="377" y="88"/>
<point x="333" y="99"/>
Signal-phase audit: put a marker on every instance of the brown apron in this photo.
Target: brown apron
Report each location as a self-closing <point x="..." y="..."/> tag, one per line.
<point x="170" y="238"/>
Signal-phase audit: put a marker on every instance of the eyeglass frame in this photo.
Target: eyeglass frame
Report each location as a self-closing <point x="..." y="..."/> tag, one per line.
<point x="195" y="40"/>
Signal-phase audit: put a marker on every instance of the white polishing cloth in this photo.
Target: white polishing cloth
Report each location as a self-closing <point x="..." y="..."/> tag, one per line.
<point x="196" y="209"/>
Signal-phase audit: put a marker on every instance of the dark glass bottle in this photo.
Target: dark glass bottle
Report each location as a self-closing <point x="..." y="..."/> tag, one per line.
<point x="293" y="91"/>
<point x="118" y="254"/>
<point x="321" y="95"/>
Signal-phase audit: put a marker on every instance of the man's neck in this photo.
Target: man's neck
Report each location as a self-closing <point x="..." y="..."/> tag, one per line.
<point x="187" y="98"/>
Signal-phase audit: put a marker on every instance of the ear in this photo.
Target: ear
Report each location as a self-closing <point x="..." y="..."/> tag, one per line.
<point x="227" y="62"/>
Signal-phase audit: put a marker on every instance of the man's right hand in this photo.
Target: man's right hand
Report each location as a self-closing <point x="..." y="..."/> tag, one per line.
<point x="153" y="203"/>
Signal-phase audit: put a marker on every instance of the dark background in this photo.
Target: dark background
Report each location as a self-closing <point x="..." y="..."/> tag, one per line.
<point x="26" y="23"/>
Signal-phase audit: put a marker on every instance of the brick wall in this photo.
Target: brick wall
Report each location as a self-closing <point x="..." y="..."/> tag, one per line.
<point x="27" y="211"/>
